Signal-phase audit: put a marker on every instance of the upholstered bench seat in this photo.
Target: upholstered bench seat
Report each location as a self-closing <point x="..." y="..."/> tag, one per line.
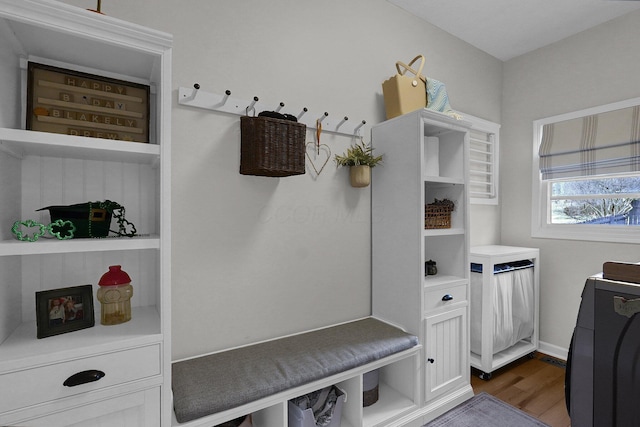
<point x="216" y="382"/>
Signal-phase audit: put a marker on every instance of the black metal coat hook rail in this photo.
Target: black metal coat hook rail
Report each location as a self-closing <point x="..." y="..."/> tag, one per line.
<point x="195" y="97"/>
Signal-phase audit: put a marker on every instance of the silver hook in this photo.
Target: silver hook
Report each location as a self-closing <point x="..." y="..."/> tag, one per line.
<point x="357" y="129"/>
<point x="304" y="110"/>
<point x="280" y="107"/>
<point x="323" y="116"/>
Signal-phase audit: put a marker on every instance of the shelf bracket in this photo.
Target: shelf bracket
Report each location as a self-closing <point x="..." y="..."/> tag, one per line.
<point x="194" y="97"/>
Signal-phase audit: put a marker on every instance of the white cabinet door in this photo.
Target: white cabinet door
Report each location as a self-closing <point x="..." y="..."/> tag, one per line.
<point x="446" y="351"/>
<point x="139" y="409"/>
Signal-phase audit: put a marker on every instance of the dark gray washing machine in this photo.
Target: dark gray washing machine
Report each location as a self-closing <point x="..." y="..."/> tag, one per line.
<point x="603" y="367"/>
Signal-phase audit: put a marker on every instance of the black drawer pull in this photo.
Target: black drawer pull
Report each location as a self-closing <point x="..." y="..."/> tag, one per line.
<point x="83" y="378"/>
<point x="447" y="297"/>
<point x="430" y="360"/>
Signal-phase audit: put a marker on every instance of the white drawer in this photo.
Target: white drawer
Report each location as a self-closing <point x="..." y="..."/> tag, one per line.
<point x="45" y="383"/>
<point x="439" y="297"/>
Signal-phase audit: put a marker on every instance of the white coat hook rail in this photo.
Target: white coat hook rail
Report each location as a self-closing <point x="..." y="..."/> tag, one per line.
<point x="195" y="97"/>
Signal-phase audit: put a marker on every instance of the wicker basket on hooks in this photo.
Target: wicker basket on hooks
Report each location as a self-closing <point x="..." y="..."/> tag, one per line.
<point x="272" y="147"/>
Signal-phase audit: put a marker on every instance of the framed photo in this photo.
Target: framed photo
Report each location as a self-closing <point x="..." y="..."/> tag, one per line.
<point x="73" y="103"/>
<point x="59" y="311"/>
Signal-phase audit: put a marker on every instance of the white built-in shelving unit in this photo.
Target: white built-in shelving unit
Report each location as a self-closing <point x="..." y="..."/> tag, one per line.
<point x="39" y="169"/>
<point x="425" y="158"/>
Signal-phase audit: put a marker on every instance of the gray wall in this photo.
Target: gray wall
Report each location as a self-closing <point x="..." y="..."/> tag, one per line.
<point x="261" y="257"/>
<point x="595" y="67"/>
<point x="255" y="257"/>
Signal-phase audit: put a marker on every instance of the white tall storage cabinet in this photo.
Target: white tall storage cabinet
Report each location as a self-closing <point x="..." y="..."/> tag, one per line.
<point x="40" y="169"/>
<point x="425" y="158"/>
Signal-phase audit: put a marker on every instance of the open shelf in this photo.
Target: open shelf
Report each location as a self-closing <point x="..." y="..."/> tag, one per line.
<point x="20" y="143"/>
<point x="442" y="180"/>
<point x="22" y="349"/>
<point x="54" y="246"/>
<point x="443" y="232"/>
<point x="447" y="249"/>
<point x="390" y="404"/>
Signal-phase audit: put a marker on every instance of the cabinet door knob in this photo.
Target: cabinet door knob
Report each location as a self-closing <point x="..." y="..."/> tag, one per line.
<point x="430" y="360"/>
<point x="447" y="297"/>
<point x="83" y="378"/>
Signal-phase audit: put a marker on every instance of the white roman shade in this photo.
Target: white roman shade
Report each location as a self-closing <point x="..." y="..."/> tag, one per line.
<point x="603" y="143"/>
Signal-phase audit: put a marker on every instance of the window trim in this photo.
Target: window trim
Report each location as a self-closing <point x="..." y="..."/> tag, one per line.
<point x="540" y="198"/>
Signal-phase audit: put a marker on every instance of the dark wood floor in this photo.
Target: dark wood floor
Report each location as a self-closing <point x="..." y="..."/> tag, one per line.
<point x="533" y="385"/>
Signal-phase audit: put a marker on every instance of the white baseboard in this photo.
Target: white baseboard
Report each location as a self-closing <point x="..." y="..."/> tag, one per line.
<point x="553" y="350"/>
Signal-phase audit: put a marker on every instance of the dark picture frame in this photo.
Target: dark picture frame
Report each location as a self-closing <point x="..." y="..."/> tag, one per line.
<point x="74" y="103"/>
<point x="63" y="310"/>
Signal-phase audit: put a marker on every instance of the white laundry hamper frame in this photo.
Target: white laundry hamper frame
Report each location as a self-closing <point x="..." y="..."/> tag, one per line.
<point x="488" y="256"/>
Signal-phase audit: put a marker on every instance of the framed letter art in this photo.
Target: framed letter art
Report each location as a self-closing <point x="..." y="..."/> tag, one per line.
<point x="74" y="103"/>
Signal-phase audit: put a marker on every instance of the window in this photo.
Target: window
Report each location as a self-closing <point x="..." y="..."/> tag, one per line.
<point x="586" y="174"/>
<point x="483" y="160"/>
<point x="613" y="201"/>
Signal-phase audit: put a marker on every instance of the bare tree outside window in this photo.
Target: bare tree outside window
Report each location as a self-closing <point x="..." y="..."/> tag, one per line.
<point x="614" y="200"/>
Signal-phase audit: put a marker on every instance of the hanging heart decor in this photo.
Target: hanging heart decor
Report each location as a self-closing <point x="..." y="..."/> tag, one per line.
<point x="318" y="152"/>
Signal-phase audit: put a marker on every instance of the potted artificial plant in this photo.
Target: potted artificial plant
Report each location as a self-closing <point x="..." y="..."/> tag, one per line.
<point x="360" y="159"/>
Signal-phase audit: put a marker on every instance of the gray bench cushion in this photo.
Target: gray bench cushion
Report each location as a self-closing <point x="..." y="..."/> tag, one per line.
<point x="213" y="383"/>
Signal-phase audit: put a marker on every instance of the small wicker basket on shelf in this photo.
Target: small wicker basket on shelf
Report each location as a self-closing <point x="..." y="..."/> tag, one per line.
<point x="438" y="214"/>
